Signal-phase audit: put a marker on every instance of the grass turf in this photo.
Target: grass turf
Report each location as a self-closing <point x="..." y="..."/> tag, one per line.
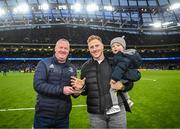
<point x="156" y="102"/>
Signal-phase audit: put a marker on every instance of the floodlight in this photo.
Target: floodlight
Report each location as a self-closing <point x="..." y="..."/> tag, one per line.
<point x="77" y="7"/>
<point x="174" y="6"/>
<point x="92" y="7"/>
<point x="108" y="8"/>
<point x="156" y="24"/>
<point x="166" y="23"/>
<point x="15" y="10"/>
<point x="22" y="8"/>
<point x="44" y="6"/>
<point x="62" y="7"/>
<point x="2" y="12"/>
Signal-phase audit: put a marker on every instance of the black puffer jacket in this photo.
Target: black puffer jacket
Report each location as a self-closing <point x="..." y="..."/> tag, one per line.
<point x="49" y="80"/>
<point x="97" y="86"/>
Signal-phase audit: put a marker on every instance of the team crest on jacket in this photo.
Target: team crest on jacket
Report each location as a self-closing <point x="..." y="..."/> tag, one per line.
<point x="71" y="69"/>
<point x="51" y="66"/>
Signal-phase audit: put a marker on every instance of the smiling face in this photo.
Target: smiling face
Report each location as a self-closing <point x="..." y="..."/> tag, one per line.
<point x="96" y="48"/>
<point x="117" y="47"/>
<point x="62" y="50"/>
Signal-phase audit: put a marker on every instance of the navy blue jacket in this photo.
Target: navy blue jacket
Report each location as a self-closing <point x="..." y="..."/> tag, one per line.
<point x="125" y="65"/>
<point x="49" y="80"/>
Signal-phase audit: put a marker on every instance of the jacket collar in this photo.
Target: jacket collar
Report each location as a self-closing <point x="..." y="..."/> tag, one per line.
<point x="67" y="63"/>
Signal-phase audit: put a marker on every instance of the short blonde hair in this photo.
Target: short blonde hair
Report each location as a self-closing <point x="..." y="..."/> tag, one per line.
<point x="93" y="37"/>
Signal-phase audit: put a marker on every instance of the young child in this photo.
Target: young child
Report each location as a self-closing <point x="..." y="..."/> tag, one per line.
<point x="125" y="65"/>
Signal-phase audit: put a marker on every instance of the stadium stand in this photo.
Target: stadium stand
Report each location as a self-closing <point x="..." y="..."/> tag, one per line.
<point x="33" y="35"/>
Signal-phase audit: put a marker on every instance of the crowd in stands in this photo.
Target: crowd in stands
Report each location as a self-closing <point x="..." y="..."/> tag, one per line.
<point x="17" y="66"/>
<point x="83" y="53"/>
<point x="79" y="35"/>
<point x="161" y="65"/>
<point x="26" y="54"/>
<point x="159" y="53"/>
<point x="29" y="66"/>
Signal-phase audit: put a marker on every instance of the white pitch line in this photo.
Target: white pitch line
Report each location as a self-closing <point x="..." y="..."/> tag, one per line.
<point x="149" y="79"/>
<point x="16" y="109"/>
<point x="24" y="109"/>
<point x="79" y="105"/>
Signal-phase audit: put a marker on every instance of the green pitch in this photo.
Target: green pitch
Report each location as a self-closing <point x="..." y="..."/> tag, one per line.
<point x="156" y="102"/>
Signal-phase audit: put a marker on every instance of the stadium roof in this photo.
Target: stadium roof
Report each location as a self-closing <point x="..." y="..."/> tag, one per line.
<point x="131" y="16"/>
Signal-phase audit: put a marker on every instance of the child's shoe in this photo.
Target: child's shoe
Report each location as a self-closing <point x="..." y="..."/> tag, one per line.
<point x="113" y="109"/>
